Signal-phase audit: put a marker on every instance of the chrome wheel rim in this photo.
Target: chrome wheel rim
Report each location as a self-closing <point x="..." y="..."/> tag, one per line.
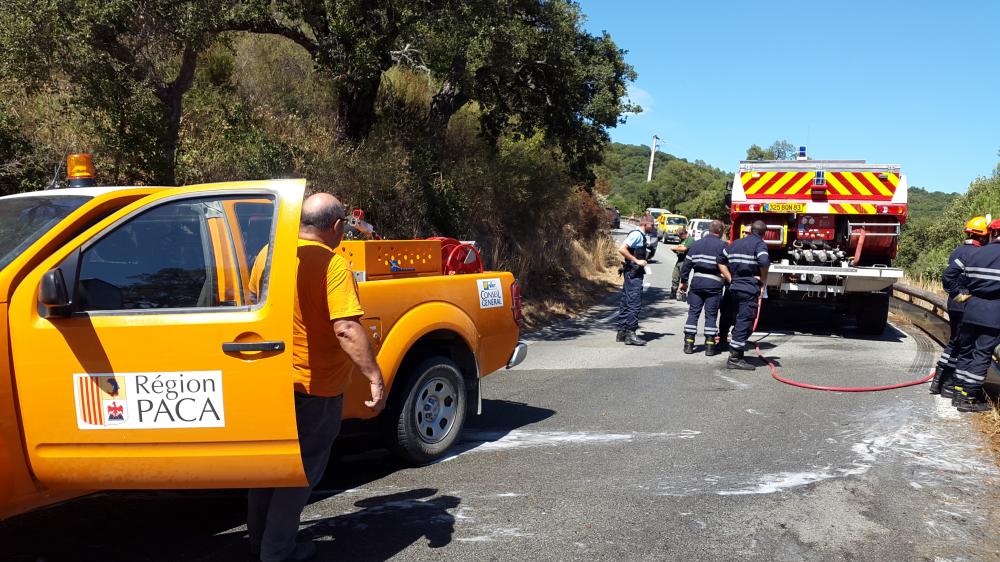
<point x="435" y="409"/>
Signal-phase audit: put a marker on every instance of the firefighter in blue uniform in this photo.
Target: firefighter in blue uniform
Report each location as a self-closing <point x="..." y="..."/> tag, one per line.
<point x="746" y="262"/>
<point x="633" y="270"/>
<point x="977" y="233"/>
<point x="706" y="287"/>
<point x="979" y="334"/>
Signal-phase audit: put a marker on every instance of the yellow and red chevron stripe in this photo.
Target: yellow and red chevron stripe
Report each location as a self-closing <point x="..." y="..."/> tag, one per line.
<point x="865" y="186"/>
<point x="853" y="209"/>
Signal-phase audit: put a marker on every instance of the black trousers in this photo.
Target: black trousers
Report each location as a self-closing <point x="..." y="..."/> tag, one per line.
<point x="631" y="302"/>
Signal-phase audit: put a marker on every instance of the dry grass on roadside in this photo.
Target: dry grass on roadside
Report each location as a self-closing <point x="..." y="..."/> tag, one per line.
<point x="594" y="277"/>
<point x="989" y="424"/>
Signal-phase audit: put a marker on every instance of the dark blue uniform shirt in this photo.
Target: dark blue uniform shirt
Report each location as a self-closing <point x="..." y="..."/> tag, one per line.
<point x="744" y="258"/>
<point x="703" y="258"/>
<point x="981" y="278"/>
<point x="952" y="277"/>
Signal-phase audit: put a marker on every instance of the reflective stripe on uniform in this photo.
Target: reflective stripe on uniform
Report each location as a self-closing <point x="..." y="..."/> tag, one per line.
<point x="708" y="276"/>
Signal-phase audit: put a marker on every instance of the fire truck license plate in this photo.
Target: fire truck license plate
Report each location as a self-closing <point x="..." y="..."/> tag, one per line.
<point x="785" y="208"/>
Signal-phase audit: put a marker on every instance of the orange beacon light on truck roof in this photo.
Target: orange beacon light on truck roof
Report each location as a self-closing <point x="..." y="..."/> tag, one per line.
<point x="80" y="170"/>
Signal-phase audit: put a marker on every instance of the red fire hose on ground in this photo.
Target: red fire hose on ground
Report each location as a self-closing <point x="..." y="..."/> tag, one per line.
<point x="779" y="378"/>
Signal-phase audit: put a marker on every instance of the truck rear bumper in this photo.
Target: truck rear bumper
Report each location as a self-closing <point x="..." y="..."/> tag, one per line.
<point x="836" y="280"/>
<point x="520" y="352"/>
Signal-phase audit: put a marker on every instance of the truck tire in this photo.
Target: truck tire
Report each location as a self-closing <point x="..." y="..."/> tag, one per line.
<point x="872" y="313"/>
<point x="426" y="417"/>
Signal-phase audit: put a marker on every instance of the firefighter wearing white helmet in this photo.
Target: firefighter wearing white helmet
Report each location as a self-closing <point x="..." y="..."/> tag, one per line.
<point x="977" y="235"/>
<point x="979" y="333"/>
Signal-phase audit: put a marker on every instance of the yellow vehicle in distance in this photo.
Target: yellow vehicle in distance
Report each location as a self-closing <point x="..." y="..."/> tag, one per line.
<point x="669" y="225"/>
<point x="135" y="358"/>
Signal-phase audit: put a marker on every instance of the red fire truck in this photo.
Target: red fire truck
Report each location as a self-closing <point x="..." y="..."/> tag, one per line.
<point x="832" y="230"/>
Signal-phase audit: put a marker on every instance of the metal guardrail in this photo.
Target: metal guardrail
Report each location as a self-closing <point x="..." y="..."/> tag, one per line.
<point x="928" y="311"/>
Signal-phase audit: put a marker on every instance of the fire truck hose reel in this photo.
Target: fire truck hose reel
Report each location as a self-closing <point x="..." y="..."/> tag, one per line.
<point x="779" y="378"/>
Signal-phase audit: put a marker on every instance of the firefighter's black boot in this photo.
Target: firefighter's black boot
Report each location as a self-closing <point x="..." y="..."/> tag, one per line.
<point x="632" y="339"/>
<point x="723" y="344"/>
<point x="688" y="345"/>
<point x="974" y="401"/>
<point x="620" y="337"/>
<point x="935" y="387"/>
<point x="710" y="349"/>
<point x="948" y="388"/>
<point x="958" y="396"/>
<point x="737" y="362"/>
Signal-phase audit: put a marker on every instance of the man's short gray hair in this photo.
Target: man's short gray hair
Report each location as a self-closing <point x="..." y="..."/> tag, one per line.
<point x="322" y="216"/>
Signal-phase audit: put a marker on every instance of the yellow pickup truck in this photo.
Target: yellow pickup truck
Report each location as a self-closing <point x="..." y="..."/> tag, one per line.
<point x="135" y="357"/>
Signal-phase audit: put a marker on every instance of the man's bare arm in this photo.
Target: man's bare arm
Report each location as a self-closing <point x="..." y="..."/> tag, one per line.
<point x="354" y="341"/>
<point x="724" y="270"/>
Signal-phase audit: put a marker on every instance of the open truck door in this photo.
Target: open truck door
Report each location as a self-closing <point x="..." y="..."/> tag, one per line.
<point x="139" y="363"/>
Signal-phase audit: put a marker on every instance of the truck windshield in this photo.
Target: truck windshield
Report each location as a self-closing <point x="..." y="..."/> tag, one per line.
<point x="25" y="219"/>
<point x="676" y="220"/>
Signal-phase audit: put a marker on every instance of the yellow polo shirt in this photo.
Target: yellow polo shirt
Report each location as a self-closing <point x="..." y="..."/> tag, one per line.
<point x="325" y="291"/>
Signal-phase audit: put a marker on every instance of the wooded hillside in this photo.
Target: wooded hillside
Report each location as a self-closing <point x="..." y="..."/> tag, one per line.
<point x="469" y="118"/>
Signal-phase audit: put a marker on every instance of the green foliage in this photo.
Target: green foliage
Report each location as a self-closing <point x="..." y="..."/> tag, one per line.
<point x="927" y="242"/>
<point x="693" y="189"/>
<point x="779" y="150"/>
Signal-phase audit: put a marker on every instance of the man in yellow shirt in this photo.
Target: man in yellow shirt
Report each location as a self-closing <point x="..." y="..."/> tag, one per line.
<point x="328" y="342"/>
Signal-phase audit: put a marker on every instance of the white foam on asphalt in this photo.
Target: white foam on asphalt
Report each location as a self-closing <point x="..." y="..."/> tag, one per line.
<point x="738" y="384"/>
<point x="487" y="441"/>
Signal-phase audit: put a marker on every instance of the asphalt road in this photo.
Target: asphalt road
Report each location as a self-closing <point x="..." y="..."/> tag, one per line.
<point x="592" y="450"/>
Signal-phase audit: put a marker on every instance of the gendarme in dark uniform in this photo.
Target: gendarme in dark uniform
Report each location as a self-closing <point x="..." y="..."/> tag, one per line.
<point x="706" y="287"/>
<point x="979" y="334"/>
<point x="977" y="231"/>
<point x="634" y="251"/>
<point x="746" y="260"/>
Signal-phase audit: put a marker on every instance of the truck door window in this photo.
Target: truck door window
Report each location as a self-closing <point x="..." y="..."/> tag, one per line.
<point x="179" y="254"/>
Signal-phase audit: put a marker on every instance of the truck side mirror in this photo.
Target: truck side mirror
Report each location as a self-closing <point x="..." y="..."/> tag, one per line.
<point x="53" y="294"/>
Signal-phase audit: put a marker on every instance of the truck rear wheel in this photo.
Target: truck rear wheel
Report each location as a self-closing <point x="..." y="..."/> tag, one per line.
<point x="872" y="313"/>
<point x="424" y="420"/>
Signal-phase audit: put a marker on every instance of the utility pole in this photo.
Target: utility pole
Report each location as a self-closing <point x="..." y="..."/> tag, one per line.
<point x="652" y="154"/>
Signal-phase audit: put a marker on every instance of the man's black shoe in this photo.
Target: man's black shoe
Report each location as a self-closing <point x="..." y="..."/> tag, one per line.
<point x="621" y="336"/>
<point x="947" y="391"/>
<point x="632" y="339"/>
<point x="959" y="395"/>
<point x="737" y="362"/>
<point x="710" y="348"/>
<point x="688" y="346"/>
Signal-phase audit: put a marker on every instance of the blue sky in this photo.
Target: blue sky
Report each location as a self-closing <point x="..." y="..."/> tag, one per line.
<point x="912" y="83"/>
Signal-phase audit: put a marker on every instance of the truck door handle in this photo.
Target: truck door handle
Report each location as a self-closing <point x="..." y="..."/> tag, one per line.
<point x="241" y="347"/>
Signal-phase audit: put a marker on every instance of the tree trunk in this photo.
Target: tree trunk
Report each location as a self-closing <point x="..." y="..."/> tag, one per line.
<point x="172" y="98"/>
<point x="445" y="103"/>
<point x="356" y="108"/>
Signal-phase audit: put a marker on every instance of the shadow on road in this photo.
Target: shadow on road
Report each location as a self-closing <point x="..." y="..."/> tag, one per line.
<point x="385" y="526"/>
<point x="195" y="525"/>
<point x="604" y="316"/>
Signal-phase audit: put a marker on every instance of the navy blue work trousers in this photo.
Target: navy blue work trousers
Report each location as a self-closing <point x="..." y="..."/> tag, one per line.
<point x="975" y="349"/>
<point x="709" y="300"/>
<point x="949" y="355"/>
<point x="746" y="314"/>
<point x="631" y="302"/>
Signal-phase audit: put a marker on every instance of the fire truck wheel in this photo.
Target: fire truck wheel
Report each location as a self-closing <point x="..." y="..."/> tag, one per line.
<point x="426" y="418"/>
<point x="872" y="313"/>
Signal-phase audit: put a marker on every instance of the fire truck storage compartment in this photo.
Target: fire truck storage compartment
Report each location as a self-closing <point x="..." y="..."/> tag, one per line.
<point x="776" y="235"/>
<point x="880" y="235"/>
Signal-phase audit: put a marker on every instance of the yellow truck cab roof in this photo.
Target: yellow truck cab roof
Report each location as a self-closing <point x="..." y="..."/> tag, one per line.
<point x="78" y="191"/>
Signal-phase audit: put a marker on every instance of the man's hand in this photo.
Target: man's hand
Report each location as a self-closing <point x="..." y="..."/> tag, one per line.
<point x="641" y="263"/>
<point x="377" y="403"/>
<point x="682" y="287"/>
